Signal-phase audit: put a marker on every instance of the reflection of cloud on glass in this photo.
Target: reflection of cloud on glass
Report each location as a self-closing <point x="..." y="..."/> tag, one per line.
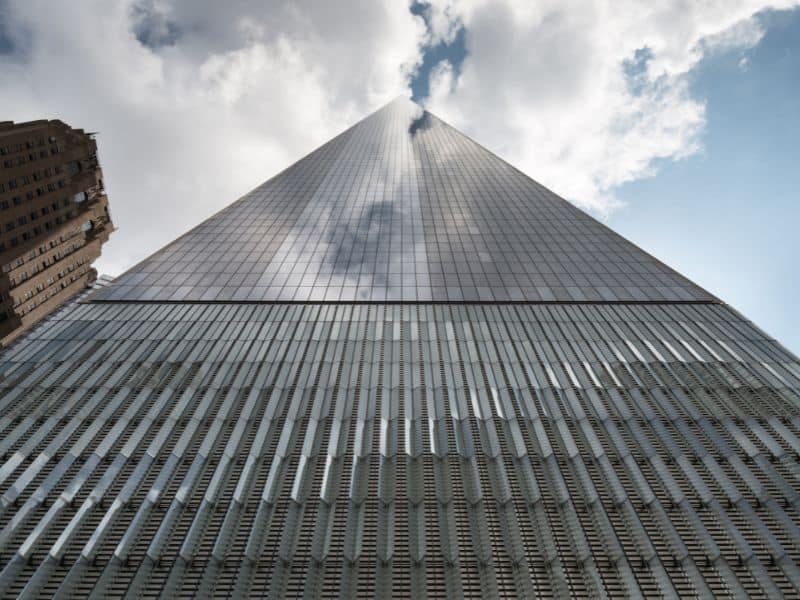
<point x="422" y="122"/>
<point x="362" y="231"/>
<point x="362" y="234"/>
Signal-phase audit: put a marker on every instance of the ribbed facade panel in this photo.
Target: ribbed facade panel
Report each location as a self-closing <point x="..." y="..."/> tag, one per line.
<point x="374" y="450"/>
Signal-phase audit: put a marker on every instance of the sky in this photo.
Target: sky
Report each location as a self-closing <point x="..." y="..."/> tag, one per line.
<point x="674" y="122"/>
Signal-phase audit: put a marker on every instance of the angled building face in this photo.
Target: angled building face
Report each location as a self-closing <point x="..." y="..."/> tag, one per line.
<point x="400" y="368"/>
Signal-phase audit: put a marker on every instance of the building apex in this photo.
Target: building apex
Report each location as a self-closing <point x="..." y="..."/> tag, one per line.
<point x="403" y="207"/>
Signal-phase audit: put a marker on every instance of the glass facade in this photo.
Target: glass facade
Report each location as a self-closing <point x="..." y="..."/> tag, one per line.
<point x="399" y="369"/>
<point x="402" y="207"/>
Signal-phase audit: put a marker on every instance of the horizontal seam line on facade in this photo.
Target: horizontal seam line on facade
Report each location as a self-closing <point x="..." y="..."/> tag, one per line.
<point x="410" y="302"/>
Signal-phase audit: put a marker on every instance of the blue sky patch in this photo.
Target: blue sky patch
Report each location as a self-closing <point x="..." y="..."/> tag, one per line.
<point x="6" y="42"/>
<point x="636" y="69"/>
<point x="152" y="28"/>
<point x="454" y="53"/>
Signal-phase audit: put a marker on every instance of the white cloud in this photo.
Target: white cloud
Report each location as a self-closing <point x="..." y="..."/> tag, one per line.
<point x="198" y="101"/>
<point x="557" y="87"/>
<point x="223" y="96"/>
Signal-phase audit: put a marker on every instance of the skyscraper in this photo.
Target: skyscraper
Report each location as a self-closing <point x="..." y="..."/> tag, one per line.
<point x="53" y="219"/>
<point x="400" y="368"/>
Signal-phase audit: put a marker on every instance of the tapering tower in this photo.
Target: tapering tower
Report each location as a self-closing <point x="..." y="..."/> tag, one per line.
<point x="401" y="368"/>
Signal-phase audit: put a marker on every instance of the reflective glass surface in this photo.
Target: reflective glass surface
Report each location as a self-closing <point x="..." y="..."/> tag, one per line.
<point x="402" y="206"/>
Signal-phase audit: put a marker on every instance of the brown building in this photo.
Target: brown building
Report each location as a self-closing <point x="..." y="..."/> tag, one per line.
<point x="53" y="219"/>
